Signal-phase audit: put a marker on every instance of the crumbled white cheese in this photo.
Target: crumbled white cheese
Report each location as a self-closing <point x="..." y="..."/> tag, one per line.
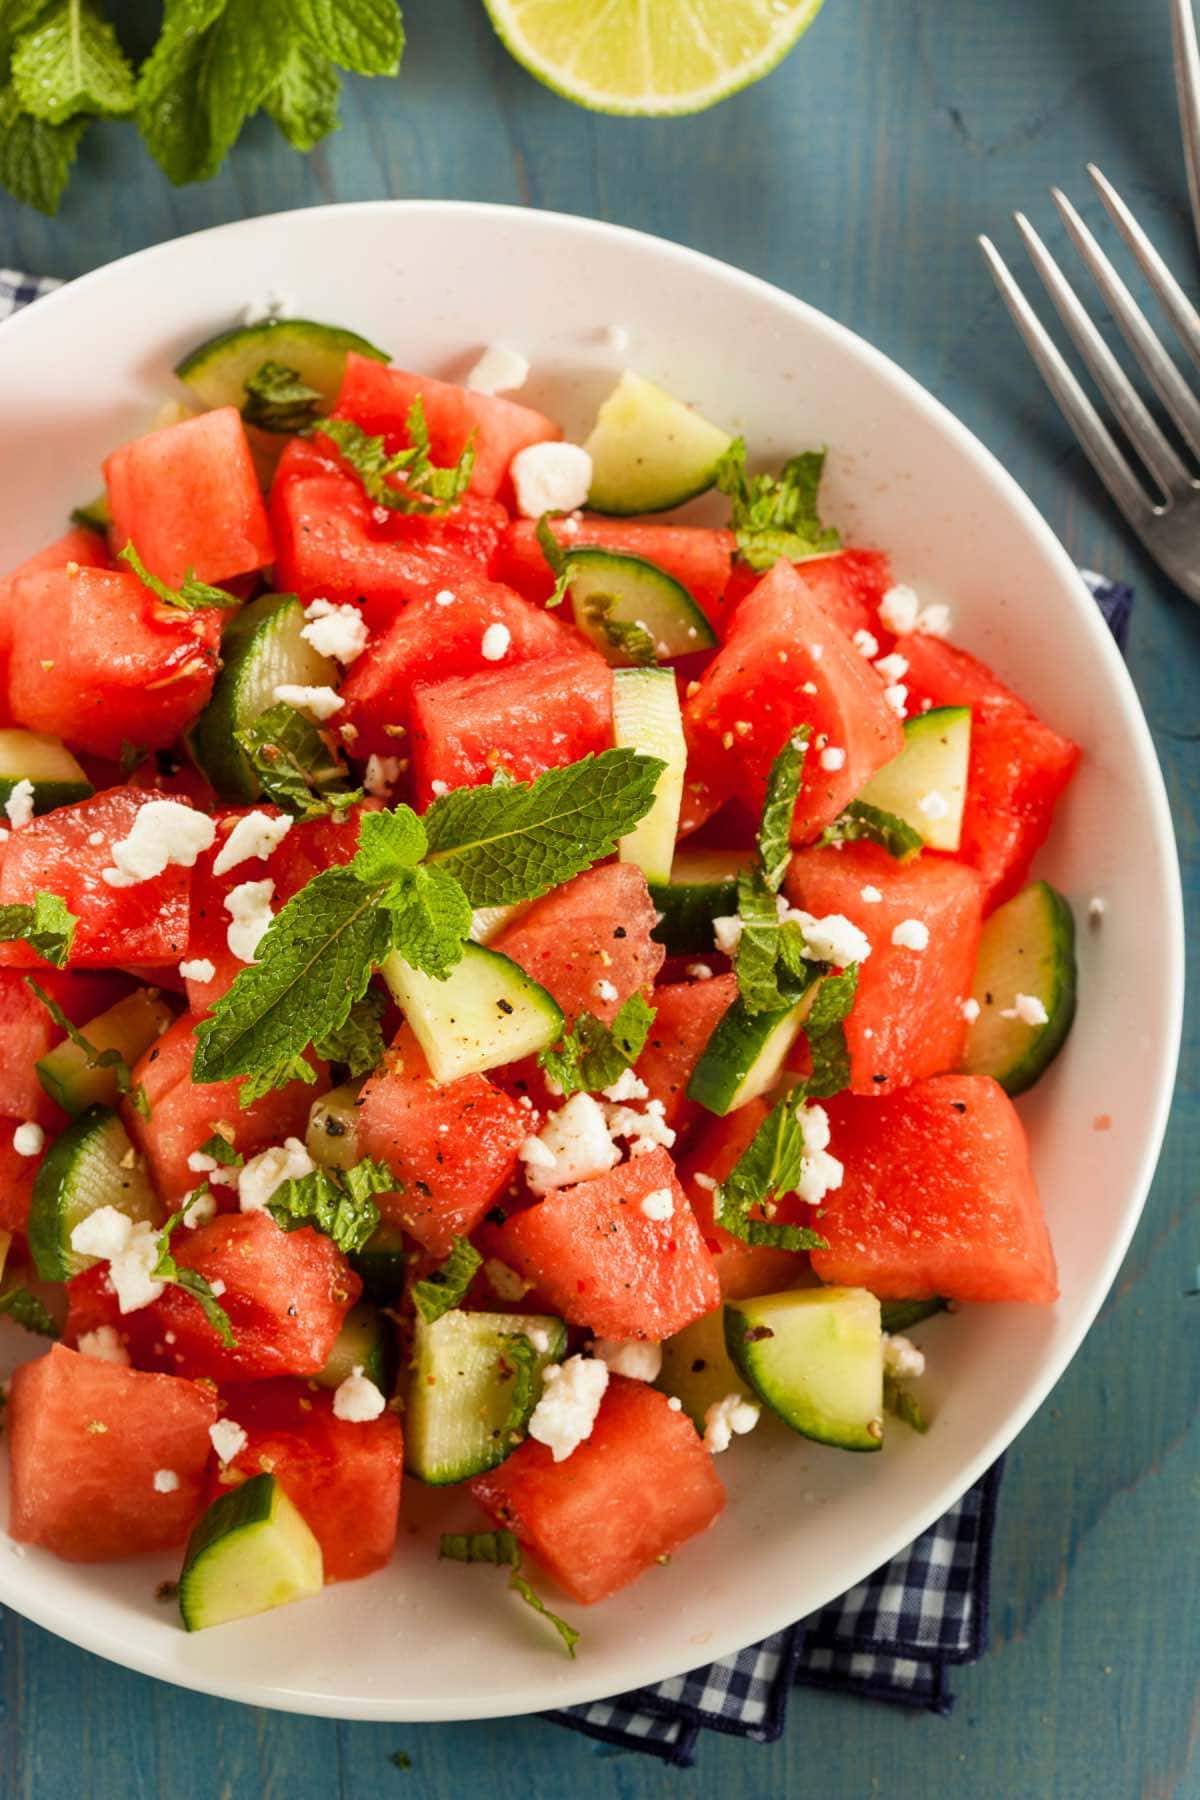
<point x="444" y="597"/>
<point x="893" y="667"/>
<point x="357" y="1399"/>
<point x="866" y="643"/>
<point x="320" y="702"/>
<point x="820" y="1173"/>
<point x="166" y="1481"/>
<point x="227" y="1439"/>
<point x="1097" y="907"/>
<point x="631" y="1357"/>
<point x="646" y="1129"/>
<point x="29" y="1139"/>
<point x="199" y="968"/>
<point x="698" y="971"/>
<point x="249" y="906"/>
<point x="566" y="1413"/>
<point x="898" y="610"/>
<point x="724" y="1418"/>
<point x="95" y="839"/>
<point x="505" y="1282"/>
<point x="659" y="1205"/>
<point x="268" y="1170"/>
<point x="496" y="642"/>
<point x="1026" y="1007"/>
<point x="970" y="1009"/>
<point x="498" y="371"/>
<point x="535" y="1155"/>
<point x="675" y="1403"/>
<point x="256" y="835"/>
<point x="539" y="1337"/>
<point x="273" y="304"/>
<point x="902" y="1359"/>
<point x="577" y="1137"/>
<point x="911" y="934"/>
<point x="201" y="1164"/>
<point x="19" y="805"/>
<point x="200" y="1211"/>
<point x="933" y="621"/>
<point x="834" y="939"/>
<point x="336" y="631"/>
<point x="707" y="1182"/>
<point x="438" y="788"/>
<point x="896" y="697"/>
<point x="550" y="478"/>
<point x="870" y="894"/>
<point x="833" y="758"/>
<point x="104" y="1345"/>
<point x="165" y="833"/>
<point x="606" y="991"/>
<point x="627" y="1086"/>
<point x="933" y="805"/>
<point x="727" y="933"/>
<point x="130" y="1250"/>
<point x="383" y="772"/>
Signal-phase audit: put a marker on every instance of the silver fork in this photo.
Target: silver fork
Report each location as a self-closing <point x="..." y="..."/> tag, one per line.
<point x="1167" y="519"/>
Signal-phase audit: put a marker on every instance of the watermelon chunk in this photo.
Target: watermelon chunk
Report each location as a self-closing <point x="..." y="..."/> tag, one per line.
<point x="86" y="1439"/>
<point x="907" y="1019"/>
<point x="938" y="1196"/>
<point x="593" y="930"/>
<point x="685" y="1017"/>
<point x="16" y="1179"/>
<point x="343" y="1477"/>
<point x="847" y="587"/>
<point x="144" y="926"/>
<point x="696" y="555"/>
<point x="785" y="664"/>
<point x="453" y="1148"/>
<point x="187" y="496"/>
<point x="1018" y="769"/>
<point x="528" y="718"/>
<point x="27" y="1032"/>
<point x="379" y="399"/>
<point x="86" y="548"/>
<point x="605" y="1264"/>
<point x="97" y="660"/>
<point x="636" y="1490"/>
<point x="742" y="1268"/>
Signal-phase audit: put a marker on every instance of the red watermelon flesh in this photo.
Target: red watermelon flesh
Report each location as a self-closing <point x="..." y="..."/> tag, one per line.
<point x="938" y="1196"/>
<point x="742" y="1268"/>
<point x="697" y="556"/>
<point x="606" y="1264"/>
<point x="87" y="548"/>
<point x="907" y="1019"/>
<point x="785" y="665"/>
<point x="86" y="1439"/>
<point x="685" y="1017"/>
<point x="633" y="1492"/>
<point x="595" y="930"/>
<point x="343" y="1477"/>
<point x="16" y="1179"/>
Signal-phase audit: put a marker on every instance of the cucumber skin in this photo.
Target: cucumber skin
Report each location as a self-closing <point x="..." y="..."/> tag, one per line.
<point x="365" y="1341"/>
<point x="724" y="1068"/>
<point x="49" y="794"/>
<point x="252" y="1503"/>
<point x="335" y="338"/>
<point x="1019" y="1076"/>
<point x="54" y="1259"/>
<point x="688" y="910"/>
<point x="902" y="1315"/>
<point x="736" y="1325"/>
<point x="447" y="1475"/>
<point x="590" y="557"/>
<point x="382" y="1265"/>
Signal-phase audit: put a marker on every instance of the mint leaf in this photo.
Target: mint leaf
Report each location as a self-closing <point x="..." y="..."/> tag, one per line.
<point x="826" y="1037"/>
<point x="274" y="1075"/>
<point x="46" y="926"/>
<point x="27" y="1311"/>
<point x="431" y="919"/>
<point x="390" y="844"/>
<point x="592" y="1055"/>
<point x="769" y="962"/>
<point x="335" y="1201"/>
<point x="510" y="843"/>
<point x="502" y="1549"/>
<point x="304" y="99"/>
<point x="222" y="1151"/>
<point x="294" y="763"/>
<point x="770" y="1166"/>
<point x="36" y="158"/>
<point x="443" y="1289"/>
<point x="96" y="1059"/>
<point x="70" y="63"/>
<point x="779" y="808"/>
<point x="363" y="35"/>
<point x="774" y="516"/>
<point x="861" y="820"/>
<point x="278" y="400"/>
<point x="314" y="963"/>
<point x="554" y="554"/>
<point x="626" y="635"/>
<point x="519" y="1358"/>
<point x="358" y="1044"/>
<point x="904" y="1405"/>
<point x="427" y="488"/>
<point x="171" y="109"/>
<point x="902" y="1315"/>
<point x="247" y="48"/>
<point x="191" y="595"/>
<point x="191" y="1281"/>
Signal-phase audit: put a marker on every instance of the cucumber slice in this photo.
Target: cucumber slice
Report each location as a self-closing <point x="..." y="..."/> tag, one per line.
<point x="646" y="717"/>
<point x="462" y="1392"/>
<point x="815" y="1357"/>
<point x="745" y="1055"/>
<point x="1027" y="947"/>
<point x="382" y="1264"/>
<point x="261" y="648"/>
<point x="91" y="1164"/>
<point x="488" y="922"/>
<point x="614" y="594"/>
<point x="366" y="1341"/>
<point x="696" y="1367"/>
<point x="702" y="886"/>
<point x="487" y="1012"/>
<point x="332" y="1135"/>
<point x="129" y="1027"/>
<point x="217" y="370"/>
<point x="929" y="774"/>
<point x="250" y="1552"/>
<point x="45" y="761"/>
<point x="649" y="451"/>
<point x="902" y="1315"/>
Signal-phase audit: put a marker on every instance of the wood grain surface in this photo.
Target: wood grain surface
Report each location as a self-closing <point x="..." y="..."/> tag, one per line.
<point x="857" y="177"/>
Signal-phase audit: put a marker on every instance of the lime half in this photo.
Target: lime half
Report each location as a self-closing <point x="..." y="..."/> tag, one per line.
<point x="652" y="57"/>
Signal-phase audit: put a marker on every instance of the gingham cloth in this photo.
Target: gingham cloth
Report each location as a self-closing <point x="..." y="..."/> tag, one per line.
<point x="895" y="1635"/>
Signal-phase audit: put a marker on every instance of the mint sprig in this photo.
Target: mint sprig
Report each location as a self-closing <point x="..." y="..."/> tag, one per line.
<point x="774" y="516"/>
<point x="825" y="1031"/>
<point x="502" y="1550"/>
<point x="190" y="595"/>
<point x="862" y="821"/>
<point x="427" y="487"/>
<point x="26" y="1310"/>
<point x="336" y="1202"/>
<point x="294" y="764"/>
<point x="279" y="400"/>
<point x="770" y="1166"/>
<point x="47" y="927"/>
<point x="444" y="1287"/>
<point x="592" y="1055"/>
<point x="190" y="1280"/>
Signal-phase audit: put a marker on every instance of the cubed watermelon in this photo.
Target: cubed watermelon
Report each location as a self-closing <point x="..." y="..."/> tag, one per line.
<point x="86" y="548"/>
<point x="696" y="555"/>
<point x="86" y="1441"/>
<point x="847" y="587"/>
<point x="742" y="1268"/>
<point x="685" y="1017"/>
<point x="589" y="941"/>
<point x="17" y="1174"/>
<point x="938" y="1196"/>
<point x="634" y="1492"/>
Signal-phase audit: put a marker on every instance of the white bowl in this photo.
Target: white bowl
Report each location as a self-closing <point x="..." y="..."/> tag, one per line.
<point x="433" y="282"/>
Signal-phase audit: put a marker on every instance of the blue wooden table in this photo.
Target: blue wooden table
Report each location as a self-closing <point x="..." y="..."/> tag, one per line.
<point x="856" y="176"/>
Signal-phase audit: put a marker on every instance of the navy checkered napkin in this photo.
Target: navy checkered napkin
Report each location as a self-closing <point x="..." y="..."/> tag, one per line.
<point x="894" y="1636"/>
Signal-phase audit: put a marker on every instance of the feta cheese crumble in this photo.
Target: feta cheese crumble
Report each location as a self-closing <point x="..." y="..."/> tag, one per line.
<point x="249" y="906"/>
<point x="505" y="1283"/>
<point x="1026" y="1007"/>
<point x="199" y="968"/>
<point x="564" y="1416"/>
<point x="646" y="1129"/>
<point x="382" y="774"/>
<point x="320" y="702"/>
<point x="970" y="1009"/>
<point x="897" y="697"/>
<point x="270" y="1169"/>
<point x="498" y="371"/>
<point x="577" y="1137"/>
<point x="164" y="834"/>
<point x="866" y="643"/>
<point x="627" y="1086"/>
<point x="129" y="1249"/>
<point x="166" y="1481"/>
<point x="901" y="1359"/>
<point x="911" y="934"/>
<point x="659" y="1205"/>
<point x="443" y="597"/>
<point x="604" y="990"/>
<point x="336" y="631"/>
<point x="933" y="805"/>
<point x="870" y="894"/>
<point x="631" y="1357"/>
<point x="898" y="610"/>
<point x="727" y="933"/>
<point x="28" y="1139"/>
<point x="725" y="1418"/>
<point x="357" y="1399"/>
<point x="698" y="972"/>
<point x="227" y="1439"/>
<point x="820" y="1173"/>
<point x="893" y="667"/>
<point x="550" y="478"/>
<point x="832" y="758"/>
<point x="833" y="939"/>
<point x="539" y="1337"/>
<point x="19" y="805"/>
<point x="535" y="1155"/>
<point x="104" y="1345"/>
<point x="933" y="621"/>
<point x="200" y="1211"/>
<point x="497" y="640"/>
<point x="255" y="836"/>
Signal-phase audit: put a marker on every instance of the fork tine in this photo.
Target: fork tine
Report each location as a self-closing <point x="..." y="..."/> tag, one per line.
<point x="1167" y="291"/>
<point x="1168" y="383"/>
<point x="1132" y="414"/>
<point x="1094" y="437"/>
<point x="1187" y="86"/>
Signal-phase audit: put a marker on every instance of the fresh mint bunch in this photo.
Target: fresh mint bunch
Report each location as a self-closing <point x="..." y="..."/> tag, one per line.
<point x="593" y="1055"/>
<point x="427" y="487"/>
<point x="774" y="516"/>
<point x="335" y="1201"/>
